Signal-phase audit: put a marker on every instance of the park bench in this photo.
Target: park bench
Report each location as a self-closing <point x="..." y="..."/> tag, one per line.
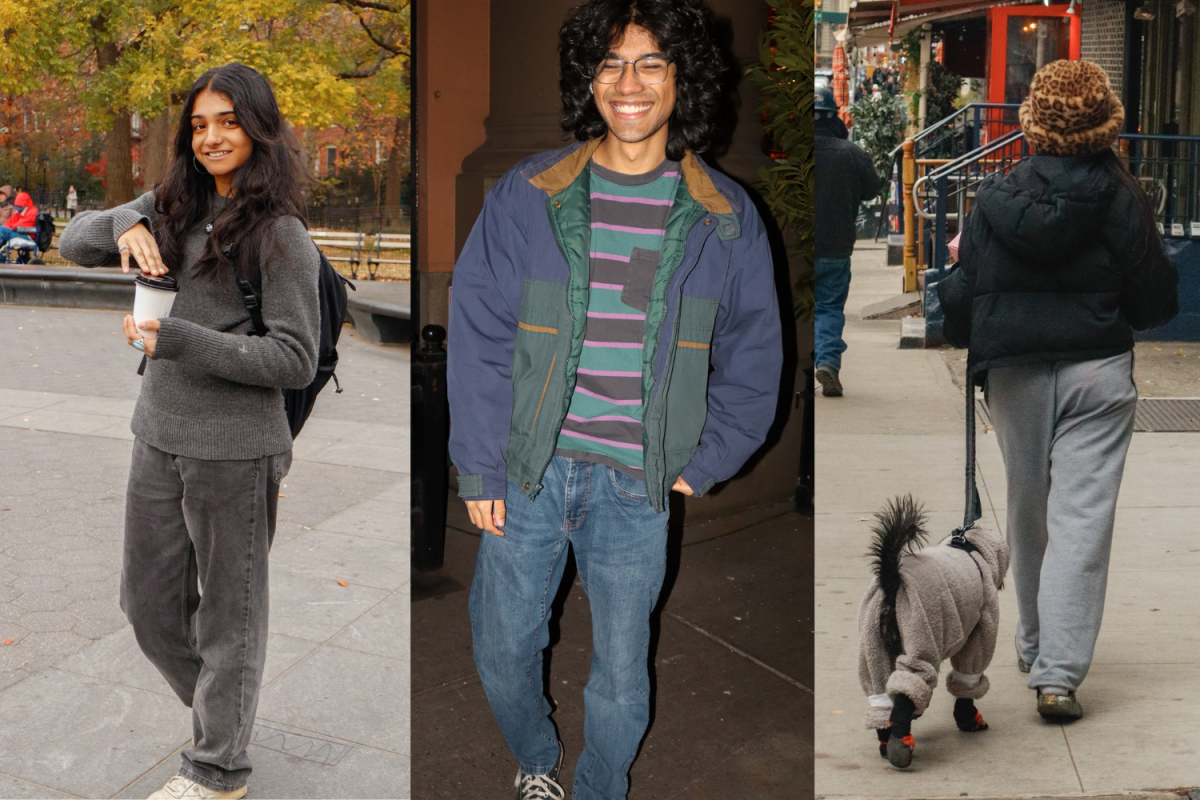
<point x="341" y="240"/>
<point x="389" y="242"/>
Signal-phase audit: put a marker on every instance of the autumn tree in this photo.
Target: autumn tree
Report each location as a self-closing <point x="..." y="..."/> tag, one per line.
<point x="121" y="58"/>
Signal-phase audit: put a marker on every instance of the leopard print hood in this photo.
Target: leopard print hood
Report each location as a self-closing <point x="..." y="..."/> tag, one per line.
<point x="1071" y="110"/>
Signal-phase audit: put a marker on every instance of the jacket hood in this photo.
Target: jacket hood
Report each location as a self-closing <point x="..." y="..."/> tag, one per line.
<point x="1047" y="206"/>
<point x="23" y="200"/>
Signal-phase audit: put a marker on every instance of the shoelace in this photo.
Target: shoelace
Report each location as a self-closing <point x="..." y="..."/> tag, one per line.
<point x="540" y="787"/>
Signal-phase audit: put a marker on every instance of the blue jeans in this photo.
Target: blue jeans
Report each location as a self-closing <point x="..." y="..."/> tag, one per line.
<point x="833" y="286"/>
<point x="620" y="549"/>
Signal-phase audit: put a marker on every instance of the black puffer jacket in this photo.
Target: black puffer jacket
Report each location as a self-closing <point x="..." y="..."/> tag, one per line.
<point x="845" y="178"/>
<point x="1060" y="261"/>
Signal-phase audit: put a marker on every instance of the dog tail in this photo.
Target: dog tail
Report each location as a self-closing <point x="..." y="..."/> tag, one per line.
<point x="898" y="529"/>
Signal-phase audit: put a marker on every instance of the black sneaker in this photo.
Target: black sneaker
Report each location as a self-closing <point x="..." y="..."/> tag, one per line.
<point x="541" y="787"/>
<point x="831" y="386"/>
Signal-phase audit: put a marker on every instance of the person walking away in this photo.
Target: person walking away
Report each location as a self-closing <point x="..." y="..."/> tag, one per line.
<point x="212" y="438"/>
<point x="614" y="335"/>
<point x="845" y="178"/>
<point x="1060" y="261"/>
<point x="24" y="215"/>
<point x="72" y="202"/>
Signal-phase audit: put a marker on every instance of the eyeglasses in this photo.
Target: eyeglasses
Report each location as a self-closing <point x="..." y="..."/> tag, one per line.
<point x="650" y="70"/>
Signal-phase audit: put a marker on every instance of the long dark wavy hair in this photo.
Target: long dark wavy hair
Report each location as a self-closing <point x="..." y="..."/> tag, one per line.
<point x="684" y="32"/>
<point x="266" y="187"/>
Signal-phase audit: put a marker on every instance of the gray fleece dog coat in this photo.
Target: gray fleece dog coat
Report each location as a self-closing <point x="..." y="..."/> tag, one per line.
<point x="946" y="607"/>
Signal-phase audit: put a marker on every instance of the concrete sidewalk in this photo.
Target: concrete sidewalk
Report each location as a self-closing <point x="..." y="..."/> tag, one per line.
<point x="900" y="429"/>
<point x="84" y="714"/>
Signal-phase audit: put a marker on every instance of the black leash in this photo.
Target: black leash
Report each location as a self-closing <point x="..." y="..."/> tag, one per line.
<point x="973" y="509"/>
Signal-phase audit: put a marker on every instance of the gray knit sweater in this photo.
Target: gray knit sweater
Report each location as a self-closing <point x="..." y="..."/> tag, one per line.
<point x="211" y="391"/>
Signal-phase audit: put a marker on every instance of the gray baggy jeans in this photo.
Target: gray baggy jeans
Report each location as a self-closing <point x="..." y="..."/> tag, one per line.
<point x="194" y="586"/>
<point x="1064" y="429"/>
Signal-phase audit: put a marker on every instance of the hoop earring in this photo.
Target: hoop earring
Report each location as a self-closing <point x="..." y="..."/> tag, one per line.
<point x="196" y="163"/>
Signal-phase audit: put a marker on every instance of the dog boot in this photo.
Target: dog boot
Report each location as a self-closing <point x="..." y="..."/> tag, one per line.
<point x="900" y="740"/>
<point x="967" y="717"/>
<point x="882" y="733"/>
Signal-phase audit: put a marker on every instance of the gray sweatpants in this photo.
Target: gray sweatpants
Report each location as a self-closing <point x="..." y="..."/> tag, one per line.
<point x="194" y="585"/>
<point x="1064" y="430"/>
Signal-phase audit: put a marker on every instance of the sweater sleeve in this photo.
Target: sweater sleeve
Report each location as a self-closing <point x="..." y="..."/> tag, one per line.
<point x="287" y="356"/>
<point x="868" y="178"/>
<point x="90" y="239"/>
<point x="957" y="290"/>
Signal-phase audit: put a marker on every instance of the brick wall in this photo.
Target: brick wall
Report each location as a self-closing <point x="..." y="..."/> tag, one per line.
<point x="1102" y="36"/>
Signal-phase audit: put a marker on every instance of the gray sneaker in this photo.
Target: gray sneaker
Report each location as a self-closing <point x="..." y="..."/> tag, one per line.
<point x="831" y="386"/>
<point x="541" y="787"/>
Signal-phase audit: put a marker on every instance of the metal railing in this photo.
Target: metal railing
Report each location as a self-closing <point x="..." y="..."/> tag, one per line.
<point x="1168" y="169"/>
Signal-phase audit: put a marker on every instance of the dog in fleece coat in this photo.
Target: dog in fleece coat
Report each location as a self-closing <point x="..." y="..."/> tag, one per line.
<point x="924" y="606"/>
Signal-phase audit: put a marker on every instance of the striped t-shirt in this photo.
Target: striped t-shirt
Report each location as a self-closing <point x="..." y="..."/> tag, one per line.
<point x="629" y="218"/>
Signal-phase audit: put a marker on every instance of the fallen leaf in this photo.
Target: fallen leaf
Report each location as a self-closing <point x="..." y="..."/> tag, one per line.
<point x="283" y="495"/>
<point x="839" y="712"/>
<point x="1154" y="609"/>
<point x="1158" y="348"/>
<point x="7" y="641"/>
<point x="5" y="509"/>
<point x="1179" y="352"/>
<point x="864" y="519"/>
<point x="342" y="583"/>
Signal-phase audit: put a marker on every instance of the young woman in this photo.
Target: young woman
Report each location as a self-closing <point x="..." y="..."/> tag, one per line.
<point x="212" y="440"/>
<point x="1060" y="261"/>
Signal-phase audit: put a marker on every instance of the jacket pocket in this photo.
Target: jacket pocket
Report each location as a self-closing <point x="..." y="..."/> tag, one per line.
<point x="536" y="358"/>
<point x="687" y="393"/>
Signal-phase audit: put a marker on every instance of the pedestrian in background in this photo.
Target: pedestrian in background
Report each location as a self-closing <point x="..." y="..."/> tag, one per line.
<point x="1059" y="262"/>
<point x="72" y="202"/>
<point x="212" y="437"/>
<point x="845" y="178"/>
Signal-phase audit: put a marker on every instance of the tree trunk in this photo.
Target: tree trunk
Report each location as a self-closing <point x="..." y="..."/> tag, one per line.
<point x="118" y="142"/>
<point x="156" y="148"/>
<point x="397" y="162"/>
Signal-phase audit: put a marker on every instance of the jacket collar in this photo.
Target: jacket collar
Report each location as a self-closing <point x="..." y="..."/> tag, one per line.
<point x="563" y="171"/>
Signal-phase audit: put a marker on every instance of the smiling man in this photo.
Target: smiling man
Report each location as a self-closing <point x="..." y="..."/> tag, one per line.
<point x="614" y="336"/>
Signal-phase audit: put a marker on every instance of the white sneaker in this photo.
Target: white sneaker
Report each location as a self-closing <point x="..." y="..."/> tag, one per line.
<point x="181" y="788"/>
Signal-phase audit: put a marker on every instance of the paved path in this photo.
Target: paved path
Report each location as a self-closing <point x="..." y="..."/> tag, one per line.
<point x="83" y="713"/>
<point x="899" y="429"/>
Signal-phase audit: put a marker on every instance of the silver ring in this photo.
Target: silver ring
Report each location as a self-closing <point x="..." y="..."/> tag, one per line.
<point x="122" y="247"/>
<point x="138" y="344"/>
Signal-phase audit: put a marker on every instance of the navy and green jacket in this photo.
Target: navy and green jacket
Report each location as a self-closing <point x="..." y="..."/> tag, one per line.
<point x="712" y="350"/>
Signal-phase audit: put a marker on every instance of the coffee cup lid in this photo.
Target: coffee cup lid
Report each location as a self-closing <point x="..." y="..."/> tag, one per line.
<point x="163" y="282"/>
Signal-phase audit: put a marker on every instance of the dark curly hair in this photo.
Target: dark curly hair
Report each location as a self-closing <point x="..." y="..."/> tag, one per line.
<point x="684" y="32"/>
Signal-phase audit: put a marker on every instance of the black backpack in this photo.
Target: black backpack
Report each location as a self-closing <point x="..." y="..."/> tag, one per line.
<point x="331" y="291"/>
<point x="45" y="231"/>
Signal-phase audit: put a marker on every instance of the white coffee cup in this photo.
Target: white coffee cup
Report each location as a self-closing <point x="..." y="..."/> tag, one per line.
<point x="152" y="299"/>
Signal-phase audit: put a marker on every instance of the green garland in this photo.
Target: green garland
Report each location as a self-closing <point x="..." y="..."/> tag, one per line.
<point x="784" y="75"/>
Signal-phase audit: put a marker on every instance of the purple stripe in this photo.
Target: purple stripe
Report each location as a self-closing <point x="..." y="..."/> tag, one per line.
<point x="626" y="345"/>
<point x="612" y="400"/>
<point x="619" y="199"/>
<point x="607" y="418"/>
<point x="629" y="229"/>
<point x="606" y="315"/>
<point x="669" y="175"/>
<point x="608" y="442"/>
<point x="608" y="373"/>
<point x="609" y="256"/>
<point x="615" y="286"/>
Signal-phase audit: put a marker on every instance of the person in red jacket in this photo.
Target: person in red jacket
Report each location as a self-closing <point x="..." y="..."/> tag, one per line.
<point x="24" y="216"/>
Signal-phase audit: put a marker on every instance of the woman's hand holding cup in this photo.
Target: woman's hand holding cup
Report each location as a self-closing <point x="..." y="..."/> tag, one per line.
<point x="135" y="333"/>
<point x="139" y="242"/>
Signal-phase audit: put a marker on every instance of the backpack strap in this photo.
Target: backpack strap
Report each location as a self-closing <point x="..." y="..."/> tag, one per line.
<point x="250" y="289"/>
